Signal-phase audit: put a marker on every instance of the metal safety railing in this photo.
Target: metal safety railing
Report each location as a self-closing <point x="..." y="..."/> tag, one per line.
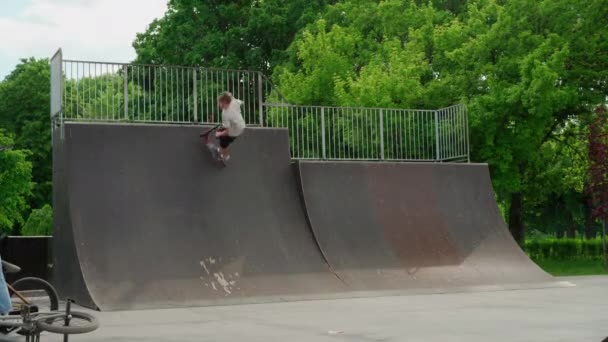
<point x="100" y="91"/>
<point x="152" y="93"/>
<point x="351" y="133"/>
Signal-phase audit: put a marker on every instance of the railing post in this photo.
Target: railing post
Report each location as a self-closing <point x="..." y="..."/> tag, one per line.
<point x="125" y="69"/>
<point x="57" y="103"/>
<point x="260" y="99"/>
<point x="323" y="132"/>
<point x="194" y="94"/>
<point x="437" y="157"/>
<point x="466" y="126"/>
<point x="61" y="126"/>
<point x="381" y="134"/>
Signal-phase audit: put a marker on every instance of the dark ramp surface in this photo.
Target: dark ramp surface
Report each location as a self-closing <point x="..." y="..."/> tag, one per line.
<point x="145" y="219"/>
<point x="396" y="226"/>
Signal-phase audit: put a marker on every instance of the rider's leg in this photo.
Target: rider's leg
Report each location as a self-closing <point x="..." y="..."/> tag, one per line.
<point x="225" y="153"/>
<point x="224" y="150"/>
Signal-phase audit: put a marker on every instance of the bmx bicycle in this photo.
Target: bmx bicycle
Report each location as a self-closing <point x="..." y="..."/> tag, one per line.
<point x="31" y="291"/>
<point x="35" y="304"/>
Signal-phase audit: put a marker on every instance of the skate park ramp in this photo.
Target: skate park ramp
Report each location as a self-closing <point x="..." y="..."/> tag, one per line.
<point x="145" y="219"/>
<point x="400" y="226"/>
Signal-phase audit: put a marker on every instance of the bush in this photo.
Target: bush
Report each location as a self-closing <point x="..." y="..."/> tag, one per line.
<point x="40" y="222"/>
<point x="564" y="249"/>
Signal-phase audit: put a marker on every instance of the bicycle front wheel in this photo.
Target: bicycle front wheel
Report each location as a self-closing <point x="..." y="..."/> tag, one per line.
<point x="79" y="323"/>
<point x="37" y="292"/>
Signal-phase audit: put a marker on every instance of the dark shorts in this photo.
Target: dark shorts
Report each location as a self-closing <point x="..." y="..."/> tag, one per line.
<point x="226" y="140"/>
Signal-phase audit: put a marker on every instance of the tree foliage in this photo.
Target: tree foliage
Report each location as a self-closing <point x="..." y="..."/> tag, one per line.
<point x="40" y="222"/>
<point x="15" y="184"/>
<point x="237" y="34"/>
<point x="24" y="112"/>
<point x="366" y="54"/>
<point x="555" y="194"/>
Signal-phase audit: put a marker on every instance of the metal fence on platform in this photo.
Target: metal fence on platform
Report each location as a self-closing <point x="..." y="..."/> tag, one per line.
<point x="153" y="93"/>
<point x="101" y="91"/>
<point x="351" y="133"/>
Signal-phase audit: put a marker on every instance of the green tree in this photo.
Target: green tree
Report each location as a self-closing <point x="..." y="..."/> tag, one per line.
<point x="367" y="54"/>
<point x="238" y="34"/>
<point x="519" y="75"/>
<point x="40" y="222"/>
<point x="24" y="112"/>
<point x="555" y="198"/>
<point x="15" y="184"/>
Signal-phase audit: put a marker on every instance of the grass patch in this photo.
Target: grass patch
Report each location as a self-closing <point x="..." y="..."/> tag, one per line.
<point x="572" y="267"/>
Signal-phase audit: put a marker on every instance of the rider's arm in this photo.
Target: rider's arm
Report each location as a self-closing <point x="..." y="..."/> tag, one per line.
<point x="221" y="132"/>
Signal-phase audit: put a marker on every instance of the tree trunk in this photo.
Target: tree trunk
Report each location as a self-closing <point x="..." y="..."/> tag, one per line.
<point x="590" y="232"/>
<point x="570" y="225"/>
<point x="516" y="223"/>
<point x="571" y="230"/>
<point x="560" y="223"/>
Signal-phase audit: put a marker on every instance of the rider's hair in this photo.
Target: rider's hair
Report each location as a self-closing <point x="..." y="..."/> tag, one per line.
<point x="225" y="97"/>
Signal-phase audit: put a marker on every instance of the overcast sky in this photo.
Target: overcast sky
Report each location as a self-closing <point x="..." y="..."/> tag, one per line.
<point x="98" y="30"/>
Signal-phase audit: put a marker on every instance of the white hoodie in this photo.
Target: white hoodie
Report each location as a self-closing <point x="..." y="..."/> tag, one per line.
<point x="232" y="118"/>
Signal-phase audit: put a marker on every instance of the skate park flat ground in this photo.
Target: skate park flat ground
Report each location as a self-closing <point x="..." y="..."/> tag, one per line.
<point x="552" y="314"/>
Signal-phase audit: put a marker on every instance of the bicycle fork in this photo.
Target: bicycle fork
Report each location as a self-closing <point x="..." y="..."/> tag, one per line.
<point x="32" y="333"/>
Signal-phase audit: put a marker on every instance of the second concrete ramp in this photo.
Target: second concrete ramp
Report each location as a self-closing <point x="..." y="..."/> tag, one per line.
<point x="402" y="226"/>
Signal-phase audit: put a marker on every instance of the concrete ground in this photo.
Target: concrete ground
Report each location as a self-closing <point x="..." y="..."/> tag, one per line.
<point x="555" y="314"/>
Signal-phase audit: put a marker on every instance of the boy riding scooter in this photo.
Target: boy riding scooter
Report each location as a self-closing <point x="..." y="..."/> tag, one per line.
<point x="233" y="123"/>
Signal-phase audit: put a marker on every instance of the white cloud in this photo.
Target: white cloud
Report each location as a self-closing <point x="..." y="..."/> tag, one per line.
<point x="99" y="30"/>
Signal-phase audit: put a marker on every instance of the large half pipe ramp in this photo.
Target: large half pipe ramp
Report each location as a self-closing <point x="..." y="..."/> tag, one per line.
<point x="396" y="226"/>
<point x="144" y="218"/>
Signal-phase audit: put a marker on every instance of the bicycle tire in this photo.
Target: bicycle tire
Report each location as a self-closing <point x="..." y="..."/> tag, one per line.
<point x="30" y="283"/>
<point x="85" y="323"/>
